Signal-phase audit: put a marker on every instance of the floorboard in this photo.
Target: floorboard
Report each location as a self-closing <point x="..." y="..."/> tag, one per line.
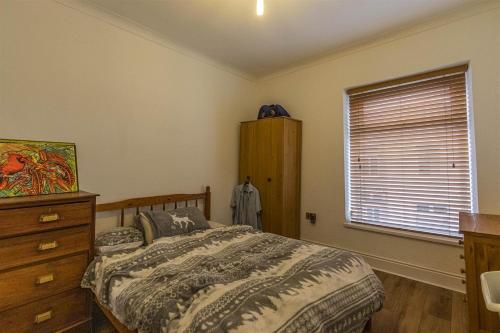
<point x="410" y="307"/>
<point x="416" y="307"/>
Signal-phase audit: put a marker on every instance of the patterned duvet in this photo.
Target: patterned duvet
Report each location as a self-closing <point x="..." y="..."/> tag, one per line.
<point x="236" y="279"/>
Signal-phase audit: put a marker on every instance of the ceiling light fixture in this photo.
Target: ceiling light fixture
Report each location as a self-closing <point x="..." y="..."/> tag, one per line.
<point x="260" y="7"/>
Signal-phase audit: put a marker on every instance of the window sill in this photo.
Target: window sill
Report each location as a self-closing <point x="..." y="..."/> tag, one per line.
<point x="404" y="233"/>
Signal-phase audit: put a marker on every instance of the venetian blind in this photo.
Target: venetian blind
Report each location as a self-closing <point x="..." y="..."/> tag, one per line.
<point x="409" y="165"/>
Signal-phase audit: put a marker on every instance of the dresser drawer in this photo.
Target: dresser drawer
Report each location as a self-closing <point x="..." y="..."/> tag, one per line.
<point x="31" y="283"/>
<point x="47" y="315"/>
<point x="37" y="219"/>
<point x="23" y="250"/>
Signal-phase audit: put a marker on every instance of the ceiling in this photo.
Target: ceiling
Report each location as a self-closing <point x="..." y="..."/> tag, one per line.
<point x="290" y="32"/>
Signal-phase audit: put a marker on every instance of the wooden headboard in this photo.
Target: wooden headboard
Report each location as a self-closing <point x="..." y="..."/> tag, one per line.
<point x="179" y="200"/>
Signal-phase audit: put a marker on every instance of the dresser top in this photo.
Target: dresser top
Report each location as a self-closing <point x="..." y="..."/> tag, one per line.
<point x="482" y="224"/>
<point x="46" y="199"/>
<point x="271" y="118"/>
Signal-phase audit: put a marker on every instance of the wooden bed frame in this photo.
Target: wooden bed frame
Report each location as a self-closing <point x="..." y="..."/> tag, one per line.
<point x="178" y="200"/>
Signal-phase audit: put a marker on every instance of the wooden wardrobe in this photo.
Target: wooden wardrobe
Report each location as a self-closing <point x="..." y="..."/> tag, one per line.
<point x="270" y="156"/>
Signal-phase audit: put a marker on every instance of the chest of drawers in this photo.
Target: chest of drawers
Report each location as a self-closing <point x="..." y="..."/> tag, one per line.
<point x="46" y="243"/>
<point x="482" y="254"/>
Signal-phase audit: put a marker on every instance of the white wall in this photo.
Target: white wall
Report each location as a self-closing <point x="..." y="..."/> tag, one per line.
<point x="146" y="119"/>
<point x="314" y="93"/>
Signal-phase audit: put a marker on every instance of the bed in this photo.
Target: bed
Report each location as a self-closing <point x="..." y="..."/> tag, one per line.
<point x="230" y="279"/>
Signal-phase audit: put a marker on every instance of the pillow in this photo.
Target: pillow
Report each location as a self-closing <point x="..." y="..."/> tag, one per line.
<point x="143" y="223"/>
<point x="120" y="238"/>
<point x="156" y="224"/>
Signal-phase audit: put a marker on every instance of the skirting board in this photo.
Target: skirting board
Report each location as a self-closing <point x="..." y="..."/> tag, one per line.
<point x="407" y="270"/>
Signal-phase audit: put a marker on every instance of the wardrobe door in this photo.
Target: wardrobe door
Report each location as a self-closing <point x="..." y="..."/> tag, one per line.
<point x="255" y="153"/>
<point x="274" y="177"/>
<point x="292" y="143"/>
<point x="248" y="151"/>
<point x="263" y="165"/>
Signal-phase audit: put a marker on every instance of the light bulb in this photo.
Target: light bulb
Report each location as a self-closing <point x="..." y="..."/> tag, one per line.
<point x="260" y="7"/>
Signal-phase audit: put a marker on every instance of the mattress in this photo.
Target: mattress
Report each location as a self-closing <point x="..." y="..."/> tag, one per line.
<point x="236" y="279"/>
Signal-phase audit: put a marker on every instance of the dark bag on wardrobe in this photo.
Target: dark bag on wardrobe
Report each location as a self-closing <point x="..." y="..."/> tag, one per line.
<point x="273" y="110"/>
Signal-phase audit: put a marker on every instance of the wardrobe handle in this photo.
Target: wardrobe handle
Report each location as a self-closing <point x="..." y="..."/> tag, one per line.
<point x="269" y="179"/>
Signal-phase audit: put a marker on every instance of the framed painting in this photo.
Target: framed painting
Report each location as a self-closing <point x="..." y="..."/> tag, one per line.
<point x="37" y="167"/>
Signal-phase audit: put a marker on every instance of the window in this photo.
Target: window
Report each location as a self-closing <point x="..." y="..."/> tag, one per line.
<point x="409" y="155"/>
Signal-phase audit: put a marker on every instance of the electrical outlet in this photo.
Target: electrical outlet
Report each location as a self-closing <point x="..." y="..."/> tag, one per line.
<point x="311" y="217"/>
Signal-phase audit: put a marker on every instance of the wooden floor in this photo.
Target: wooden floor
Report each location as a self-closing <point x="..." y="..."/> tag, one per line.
<point x="410" y="307"/>
<point x="101" y="323"/>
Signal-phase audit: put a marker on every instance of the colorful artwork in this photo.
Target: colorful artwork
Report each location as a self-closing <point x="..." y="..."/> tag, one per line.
<point x="37" y="167"/>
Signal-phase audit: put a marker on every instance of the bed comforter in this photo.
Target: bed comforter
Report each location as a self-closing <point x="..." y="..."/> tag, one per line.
<point x="236" y="279"/>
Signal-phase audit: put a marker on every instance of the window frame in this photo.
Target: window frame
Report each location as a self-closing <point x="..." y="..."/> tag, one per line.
<point x="413" y="234"/>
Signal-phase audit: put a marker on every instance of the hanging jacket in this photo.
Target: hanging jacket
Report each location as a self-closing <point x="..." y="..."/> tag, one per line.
<point x="245" y="203"/>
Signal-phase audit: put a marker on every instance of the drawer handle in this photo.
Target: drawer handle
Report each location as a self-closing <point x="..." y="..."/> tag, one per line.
<point x="47" y="246"/>
<point x="462" y="270"/>
<point x="460" y="242"/>
<point x="41" y="317"/>
<point x="462" y="256"/>
<point x="44" y="279"/>
<point x="46" y="218"/>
